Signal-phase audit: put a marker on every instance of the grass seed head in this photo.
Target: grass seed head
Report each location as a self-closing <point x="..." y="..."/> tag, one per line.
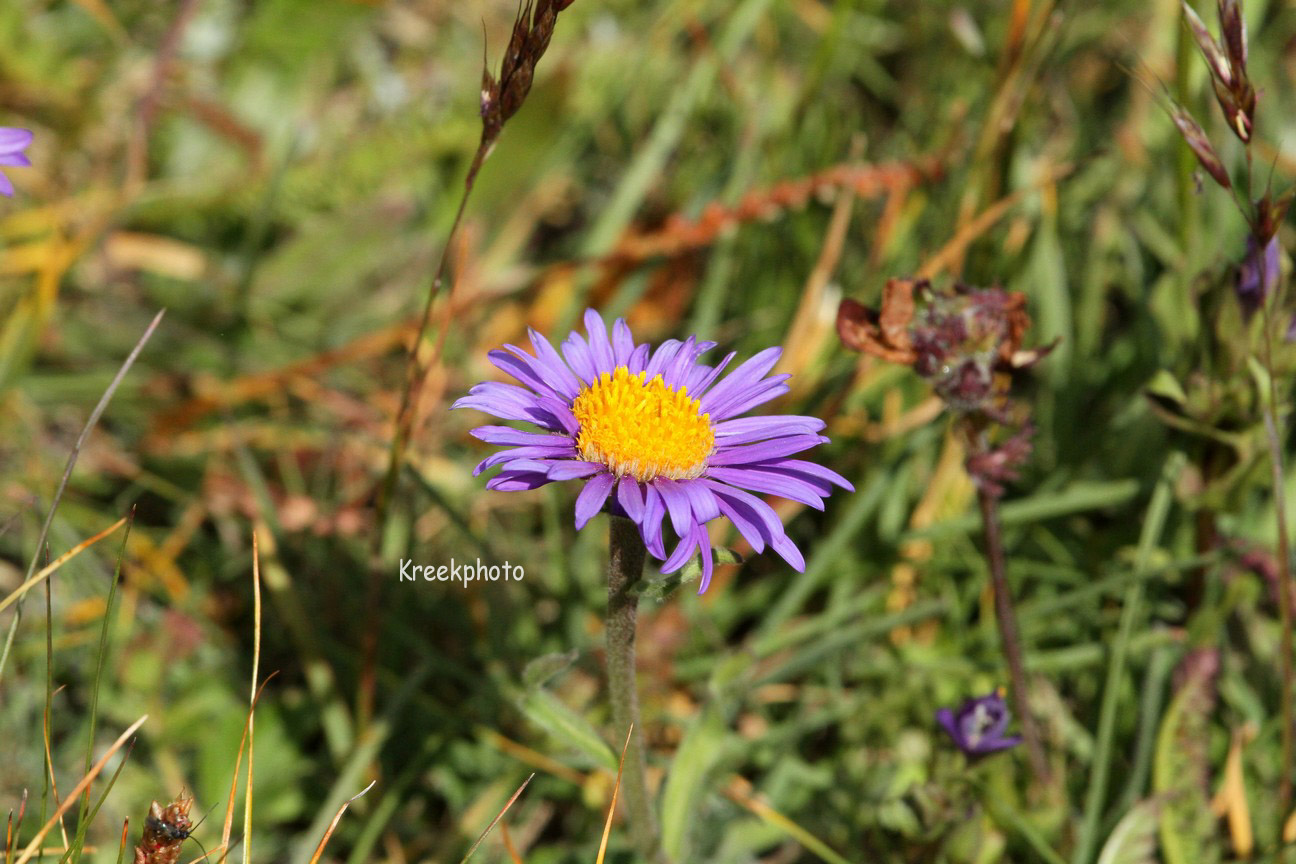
<point x="165" y="831"/>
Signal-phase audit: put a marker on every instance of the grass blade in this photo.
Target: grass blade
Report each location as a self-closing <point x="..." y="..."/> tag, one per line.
<point x="67" y="474"/>
<point x="100" y="659"/>
<point x="337" y="817"/>
<point x="37" y="841"/>
<point x="498" y="817"/>
<point x="616" y="790"/>
<point x="1153" y="525"/>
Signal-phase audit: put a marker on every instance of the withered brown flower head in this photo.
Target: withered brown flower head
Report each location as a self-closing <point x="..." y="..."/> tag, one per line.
<point x="966" y="340"/>
<point x="165" y="831"/>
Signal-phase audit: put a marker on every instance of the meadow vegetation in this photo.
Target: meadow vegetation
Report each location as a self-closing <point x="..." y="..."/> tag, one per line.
<point x="286" y="179"/>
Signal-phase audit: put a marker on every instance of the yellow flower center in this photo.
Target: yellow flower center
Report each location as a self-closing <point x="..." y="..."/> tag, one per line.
<point x="642" y="428"/>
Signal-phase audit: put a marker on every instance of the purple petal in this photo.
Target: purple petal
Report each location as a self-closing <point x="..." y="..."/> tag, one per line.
<point x="701" y="501"/>
<point x="578" y="357"/>
<point x="522" y="367"/>
<point x="590" y="501"/>
<point x="675" y="371"/>
<point x="639" y="359"/>
<point x="574" y="469"/>
<point x="630" y="497"/>
<point x="819" y="472"/>
<point x="761" y="517"/>
<point x="703" y="541"/>
<point x="12" y="140"/>
<point x="516" y="481"/>
<point x="507" y="401"/>
<point x="744" y="430"/>
<point x="683" y="552"/>
<point x="741" y="379"/>
<point x="650" y="527"/>
<point x="747" y="523"/>
<point x="703" y="377"/>
<point x="766" y="521"/>
<point x="994" y="745"/>
<point x="677" y="504"/>
<point x="665" y="352"/>
<point x="532" y="452"/>
<point x="14" y="160"/>
<point x="765" y="450"/>
<point x="769" y="483"/>
<point x="556" y="415"/>
<point x="6" y="187"/>
<point x="563" y="379"/>
<point x="788" y="551"/>
<point x="622" y="342"/>
<point x="507" y="436"/>
<point x="758" y="511"/>
<point x="945" y="717"/>
<point x="766" y="390"/>
<point x="600" y="347"/>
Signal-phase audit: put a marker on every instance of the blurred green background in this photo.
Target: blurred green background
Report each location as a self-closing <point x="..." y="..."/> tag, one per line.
<point x="281" y="177"/>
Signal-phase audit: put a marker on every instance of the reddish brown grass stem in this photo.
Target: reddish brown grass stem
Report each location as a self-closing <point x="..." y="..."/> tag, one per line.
<point x="501" y="98"/>
<point x="1008" y="634"/>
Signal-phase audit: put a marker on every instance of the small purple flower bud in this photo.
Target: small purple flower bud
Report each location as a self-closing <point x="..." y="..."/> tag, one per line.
<point x="12" y="144"/>
<point x="978" y="725"/>
<point x="1253" y="288"/>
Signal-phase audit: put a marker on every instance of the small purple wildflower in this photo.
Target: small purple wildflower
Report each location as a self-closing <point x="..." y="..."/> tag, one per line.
<point x="653" y="433"/>
<point x="978" y="725"/>
<point x="1251" y="293"/>
<point x="12" y="144"/>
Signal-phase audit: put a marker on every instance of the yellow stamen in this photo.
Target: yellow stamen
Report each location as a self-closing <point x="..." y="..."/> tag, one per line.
<point x="642" y="428"/>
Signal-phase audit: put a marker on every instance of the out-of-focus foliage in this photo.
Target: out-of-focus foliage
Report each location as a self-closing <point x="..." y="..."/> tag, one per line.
<point x="286" y="198"/>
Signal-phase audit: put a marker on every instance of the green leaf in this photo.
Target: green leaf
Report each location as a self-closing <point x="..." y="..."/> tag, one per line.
<point x="541" y="669"/>
<point x="1133" y="840"/>
<point x="1165" y="386"/>
<point x="571" y="729"/>
<point x="662" y="585"/>
<point x="686" y="783"/>
<point x="1186" y="824"/>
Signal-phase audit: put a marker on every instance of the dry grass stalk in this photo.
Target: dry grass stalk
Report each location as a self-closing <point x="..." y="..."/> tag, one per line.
<point x="680" y="234"/>
<point x="501" y="97"/>
<point x="36" y="843"/>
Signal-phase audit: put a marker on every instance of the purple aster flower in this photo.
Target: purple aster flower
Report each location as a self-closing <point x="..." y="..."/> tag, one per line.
<point x="654" y="434"/>
<point x="978" y="725"/>
<point x="12" y="144"/>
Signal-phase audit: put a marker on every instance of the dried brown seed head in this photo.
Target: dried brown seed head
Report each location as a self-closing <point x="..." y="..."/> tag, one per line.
<point x="1195" y="137"/>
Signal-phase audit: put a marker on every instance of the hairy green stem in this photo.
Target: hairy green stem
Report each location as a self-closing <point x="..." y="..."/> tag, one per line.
<point x="625" y="569"/>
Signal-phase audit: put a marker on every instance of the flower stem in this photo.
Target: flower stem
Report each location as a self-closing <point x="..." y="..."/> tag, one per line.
<point x="625" y="569"/>
<point x="1274" y="441"/>
<point x="1285" y="615"/>
<point x="1008" y="636"/>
